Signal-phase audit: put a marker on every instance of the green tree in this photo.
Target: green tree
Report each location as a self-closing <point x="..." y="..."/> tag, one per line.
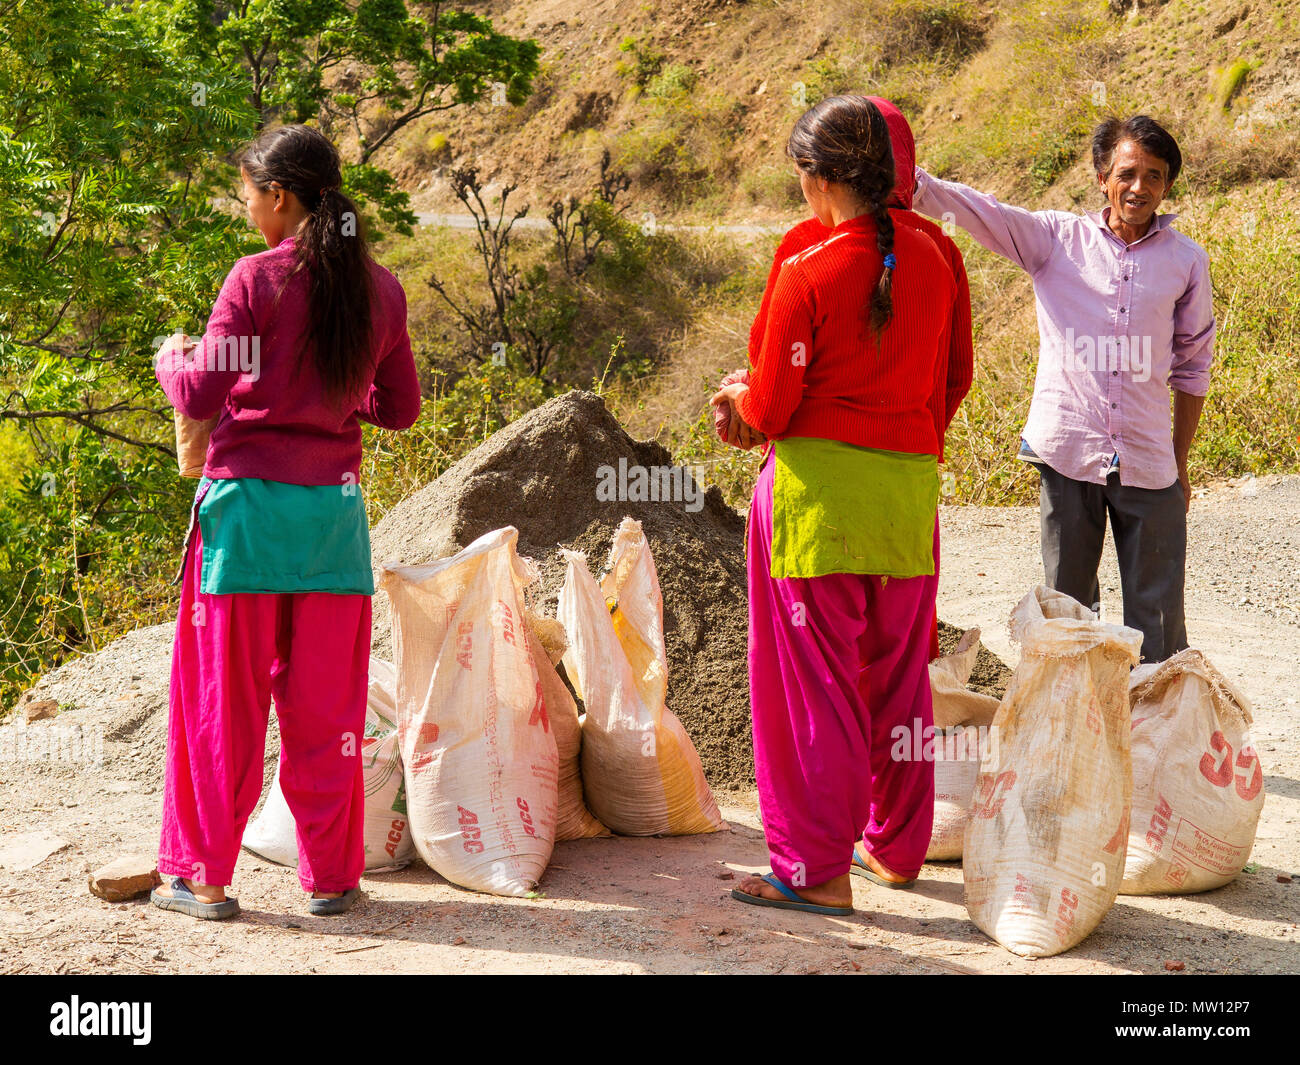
<point x="118" y="124"/>
<point x="361" y="70"/>
<point x="105" y="196"/>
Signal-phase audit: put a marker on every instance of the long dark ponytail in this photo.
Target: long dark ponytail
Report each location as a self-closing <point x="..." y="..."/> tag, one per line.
<point x="845" y="139"/>
<point x="331" y="250"/>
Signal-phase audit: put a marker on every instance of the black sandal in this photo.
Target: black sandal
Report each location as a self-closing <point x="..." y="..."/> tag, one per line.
<point x="183" y="900"/>
<point x="330" y="907"/>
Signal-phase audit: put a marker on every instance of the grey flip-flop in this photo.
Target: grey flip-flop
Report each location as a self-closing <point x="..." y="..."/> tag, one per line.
<point x="330" y="907"/>
<point x="795" y="903"/>
<point x="860" y="868"/>
<point x="183" y="900"/>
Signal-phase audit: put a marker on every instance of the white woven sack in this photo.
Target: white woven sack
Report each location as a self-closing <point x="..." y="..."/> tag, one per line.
<point x="480" y="757"/>
<point x="1198" y="786"/>
<point x="1043" y="855"/>
<point x="573" y="819"/>
<point x="641" y="774"/>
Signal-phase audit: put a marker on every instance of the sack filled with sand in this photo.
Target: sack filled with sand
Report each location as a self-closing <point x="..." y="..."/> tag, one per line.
<point x="1198" y="786"/>
<point x="961" y="741"/>
<point x="1043" y="856"/>
<point x="641" y="773"/>
<point x="481" y="759"/>
<point x="573" y="819"/>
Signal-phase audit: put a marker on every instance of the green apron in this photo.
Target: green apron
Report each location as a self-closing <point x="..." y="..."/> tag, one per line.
<point x="839" y="508"/>
<point x="269" y="536"/>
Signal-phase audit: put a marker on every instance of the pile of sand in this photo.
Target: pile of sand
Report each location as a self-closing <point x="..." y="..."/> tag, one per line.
<point x="542" y="474"/>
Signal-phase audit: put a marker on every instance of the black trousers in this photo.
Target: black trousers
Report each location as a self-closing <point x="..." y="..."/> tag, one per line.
<point x="1150" y="530"/>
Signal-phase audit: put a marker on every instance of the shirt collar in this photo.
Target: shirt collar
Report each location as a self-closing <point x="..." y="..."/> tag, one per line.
<point x="861" y="221"/>
<point x="1158" y="224"/>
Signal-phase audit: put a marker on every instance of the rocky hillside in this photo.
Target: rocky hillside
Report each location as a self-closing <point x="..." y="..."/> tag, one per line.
<point x="695" y="99"/>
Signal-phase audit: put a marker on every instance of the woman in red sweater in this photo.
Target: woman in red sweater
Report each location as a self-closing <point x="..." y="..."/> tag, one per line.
<point x="306" y="340"/>
<point x="850" y="384"/>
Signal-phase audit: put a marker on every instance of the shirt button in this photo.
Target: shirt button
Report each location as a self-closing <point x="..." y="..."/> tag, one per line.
<point x="1113" y="405"/>
<point x="1126" y="277"/>
<point x="1122" y="310"/>
<point x="1114" y="373"/>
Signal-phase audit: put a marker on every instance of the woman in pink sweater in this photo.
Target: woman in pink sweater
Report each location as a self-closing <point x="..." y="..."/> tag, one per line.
<point x="306" y="340"/>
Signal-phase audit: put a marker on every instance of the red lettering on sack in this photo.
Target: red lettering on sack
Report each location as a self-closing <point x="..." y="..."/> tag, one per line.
<point x="525" y="817"/>
<point x="394" y="837"/>
<point x="985" y="807"/>
<point x="1066" y="911"/>
<point x="1218" y="771"/>
<point x="539" y="711"/>
<point x="1094" y="717"/>
<point x="1121" y="833"/>
<point x="1249" y="791"/>
<point x="507" y="624"/>
<point x="429" y="732"/>
<point x="1159" y="823"/>
<point x="464" y="643"/>
<point x="468" y="828"/>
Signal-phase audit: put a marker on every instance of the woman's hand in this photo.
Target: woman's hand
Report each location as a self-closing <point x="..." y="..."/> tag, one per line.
<point x="175" y="350"/>
<point x="722" y="411"/>
<point x="738" y="434"/>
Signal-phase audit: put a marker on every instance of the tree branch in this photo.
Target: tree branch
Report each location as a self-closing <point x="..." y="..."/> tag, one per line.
<point x="82" y="418"/>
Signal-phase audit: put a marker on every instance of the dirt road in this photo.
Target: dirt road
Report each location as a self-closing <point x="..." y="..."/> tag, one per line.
<point x="661" y="905"/>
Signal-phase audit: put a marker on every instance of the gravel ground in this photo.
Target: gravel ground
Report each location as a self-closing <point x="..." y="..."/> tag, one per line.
<point x="661" y="905"/>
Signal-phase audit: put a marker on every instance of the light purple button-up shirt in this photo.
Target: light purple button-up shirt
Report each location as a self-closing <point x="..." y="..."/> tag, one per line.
<point x="1117" y="324"/>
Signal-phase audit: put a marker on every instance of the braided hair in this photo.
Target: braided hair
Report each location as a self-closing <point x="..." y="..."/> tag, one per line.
<point x="845" y="139"/>
<point x="331" y="249"/>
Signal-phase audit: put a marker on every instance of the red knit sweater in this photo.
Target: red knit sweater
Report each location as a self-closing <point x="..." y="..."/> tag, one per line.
<point x="819" y="371"/>
<point x="960" y="361"/>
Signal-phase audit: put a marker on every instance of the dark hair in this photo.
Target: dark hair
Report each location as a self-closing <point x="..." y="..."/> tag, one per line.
<point x="1145" y="132"/>
<point x="845" y="139"/>
<point x="331" y="249"/>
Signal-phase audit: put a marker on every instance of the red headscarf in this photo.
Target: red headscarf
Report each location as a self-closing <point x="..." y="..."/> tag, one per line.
<point x="900" y="137"/>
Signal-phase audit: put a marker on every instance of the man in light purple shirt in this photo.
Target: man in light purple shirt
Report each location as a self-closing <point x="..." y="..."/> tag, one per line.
<point x="1124" y="314"/>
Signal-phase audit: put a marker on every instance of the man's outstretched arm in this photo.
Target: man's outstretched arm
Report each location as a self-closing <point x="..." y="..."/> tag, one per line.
<point x="1025" y="237"/>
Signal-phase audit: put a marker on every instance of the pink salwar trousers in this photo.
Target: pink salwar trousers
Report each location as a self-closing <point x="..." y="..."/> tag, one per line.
<point x="838" y="664"/>
<point x="232" y="654"/>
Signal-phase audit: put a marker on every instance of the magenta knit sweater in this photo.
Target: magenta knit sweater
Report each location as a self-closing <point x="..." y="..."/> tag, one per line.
<point x="275" y="423"/>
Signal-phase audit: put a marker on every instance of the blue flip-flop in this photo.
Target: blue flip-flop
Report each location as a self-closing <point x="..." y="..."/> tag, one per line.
<point x="183" y="900"/>
<point x="330" y="907"/>
<point x="860" y="868"/>
<point x="795" y="903"/>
